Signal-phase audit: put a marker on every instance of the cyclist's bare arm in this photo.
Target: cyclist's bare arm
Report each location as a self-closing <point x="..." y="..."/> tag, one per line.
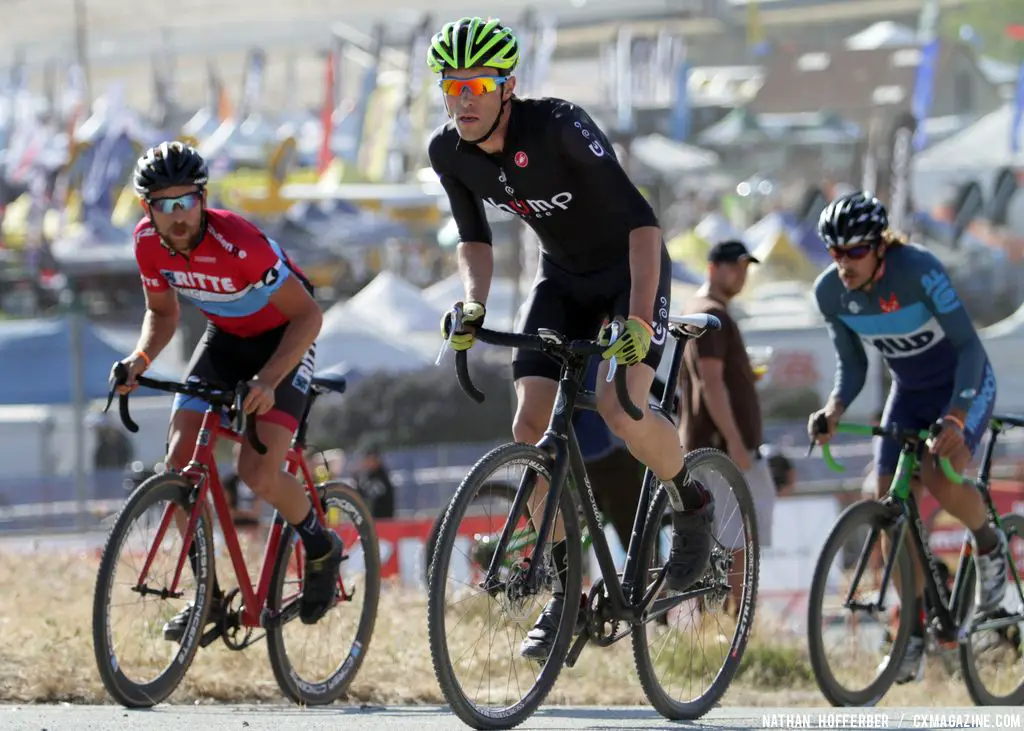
<point x="476" y="266"/>
<point x="304" y="320"/>
<point x="474" y="253"/>
<point x="159" y="323"/>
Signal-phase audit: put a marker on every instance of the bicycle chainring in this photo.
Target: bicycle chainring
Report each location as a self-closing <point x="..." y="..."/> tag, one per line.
<point x="603" y="630"/>
<point x="235" y="636"/>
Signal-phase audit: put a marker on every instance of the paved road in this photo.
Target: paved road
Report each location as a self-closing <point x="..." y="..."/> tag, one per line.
<point x="428" y="718"/>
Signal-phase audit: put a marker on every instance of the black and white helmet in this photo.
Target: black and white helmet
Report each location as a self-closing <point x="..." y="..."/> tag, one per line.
<point x="853" y="219"/>
<point x="168" y="165"/>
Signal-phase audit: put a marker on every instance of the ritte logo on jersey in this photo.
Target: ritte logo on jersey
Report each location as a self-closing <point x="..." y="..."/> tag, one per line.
<point x="521" y="159"/>
<point x="533" y="208"/>
<point x="199" y="282"/>
<point x="909" y="344"/>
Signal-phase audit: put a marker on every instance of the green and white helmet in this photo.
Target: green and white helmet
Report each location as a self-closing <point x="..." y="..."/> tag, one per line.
<point x="469" y="42"/>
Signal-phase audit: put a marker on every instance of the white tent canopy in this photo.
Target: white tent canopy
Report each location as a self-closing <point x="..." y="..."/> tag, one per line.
<point x="883" y="34"/>
<point x="984" y="146"/>
<point x="668" y="156"/>
<point x="387" y="303"/>
<point x="975" y="153"/>
<point x="500" y="301"/>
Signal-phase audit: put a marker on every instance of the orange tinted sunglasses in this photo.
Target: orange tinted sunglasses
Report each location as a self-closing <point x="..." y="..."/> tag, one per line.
<point x="477" y="85"/>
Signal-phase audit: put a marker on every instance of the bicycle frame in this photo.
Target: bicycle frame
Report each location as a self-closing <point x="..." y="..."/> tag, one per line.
<point x="559" y="441"/>
<point x="944" y="606"/>
<point x="201" y="471"/>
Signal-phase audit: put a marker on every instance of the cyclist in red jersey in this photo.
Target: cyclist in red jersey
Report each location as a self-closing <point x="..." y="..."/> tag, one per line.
<point x="263" y="322"/>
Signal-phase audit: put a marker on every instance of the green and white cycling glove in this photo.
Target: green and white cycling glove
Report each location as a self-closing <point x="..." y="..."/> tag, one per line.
<point x="633" y="344"/>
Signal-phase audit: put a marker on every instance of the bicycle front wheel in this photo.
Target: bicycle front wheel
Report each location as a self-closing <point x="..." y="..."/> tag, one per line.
<point x="325" y="675"/>
<point x="143" y="674"/>
<point x="855" y="651"/>
<point x="494" y="499"/>
<point x="697" y="640"/>
<point x="461" y="613"/>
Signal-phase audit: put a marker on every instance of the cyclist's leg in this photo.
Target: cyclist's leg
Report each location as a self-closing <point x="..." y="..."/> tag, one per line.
<point x="966" y="504"/>
<point x="186" y="419"/>
<point x="654" y="440"/>
<point x="536" y="381"/>
<point x="904" y="409"/>
<point x="265" y="476"/>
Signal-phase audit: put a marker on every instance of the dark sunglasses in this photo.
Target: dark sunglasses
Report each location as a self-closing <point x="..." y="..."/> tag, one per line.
<point x="854" y="253"/>
<point x="186" y="202"/>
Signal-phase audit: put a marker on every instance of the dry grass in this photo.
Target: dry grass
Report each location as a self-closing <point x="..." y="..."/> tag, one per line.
<point x="47" y="655"/>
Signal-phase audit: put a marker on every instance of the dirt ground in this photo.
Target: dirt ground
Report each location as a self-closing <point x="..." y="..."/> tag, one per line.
<point x="47" y="655"/>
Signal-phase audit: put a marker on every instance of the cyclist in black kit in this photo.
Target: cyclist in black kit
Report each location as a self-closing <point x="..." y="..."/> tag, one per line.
<point x="602" y="255"/>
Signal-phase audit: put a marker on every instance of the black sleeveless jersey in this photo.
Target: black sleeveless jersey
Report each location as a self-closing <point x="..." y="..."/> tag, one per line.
<point x="557" y="172"/>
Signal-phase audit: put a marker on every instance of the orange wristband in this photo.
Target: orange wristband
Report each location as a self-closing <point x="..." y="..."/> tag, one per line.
<point x="145" y="358"/>
<point x="644" y="323"/>
<point x="955" y="420"/>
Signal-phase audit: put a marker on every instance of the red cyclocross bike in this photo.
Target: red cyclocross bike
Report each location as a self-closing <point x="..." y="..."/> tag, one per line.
<point x="156" y="580"/>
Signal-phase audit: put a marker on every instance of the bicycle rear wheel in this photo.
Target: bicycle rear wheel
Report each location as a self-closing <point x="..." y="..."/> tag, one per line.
<point x="735" y="530"/>
<point x="325" y="680"/>
<point x="147" y="509"/>
<point x="990" y="659"/>
<point x="454" y="587"/>
<point x="863" y="630"/>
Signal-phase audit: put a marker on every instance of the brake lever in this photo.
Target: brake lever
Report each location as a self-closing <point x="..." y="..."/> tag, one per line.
<point x="118" y="377"/>
<point x="820" y="425"/>
<point x="613" y="363"/>
<point x="454" y="326"/>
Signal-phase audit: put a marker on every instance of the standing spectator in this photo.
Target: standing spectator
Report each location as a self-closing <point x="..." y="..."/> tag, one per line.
<point x="375" y="484"/>
<point x="719" y="404"/>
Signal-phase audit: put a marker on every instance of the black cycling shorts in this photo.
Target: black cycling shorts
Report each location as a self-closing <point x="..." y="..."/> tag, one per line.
<point x="577" y="305"/>
<point x="224" y="359"/>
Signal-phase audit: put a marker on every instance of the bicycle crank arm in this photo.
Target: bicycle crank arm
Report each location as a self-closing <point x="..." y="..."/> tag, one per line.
<point x="990" y="625"/>
<point x="577" y="648"/>
<point x="211" y="635"/>
<point x="662" y="606"/>
<point x="286" y="615"/>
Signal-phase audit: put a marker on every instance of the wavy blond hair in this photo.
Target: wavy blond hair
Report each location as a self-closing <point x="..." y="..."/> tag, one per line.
<point x="891" y="237"/>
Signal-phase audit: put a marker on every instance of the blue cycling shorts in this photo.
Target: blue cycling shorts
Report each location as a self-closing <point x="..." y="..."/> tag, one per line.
<point x="920" y="409"/>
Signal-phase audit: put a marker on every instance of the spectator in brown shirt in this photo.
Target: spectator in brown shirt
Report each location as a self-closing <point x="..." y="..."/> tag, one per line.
<point x="718" y="400"/>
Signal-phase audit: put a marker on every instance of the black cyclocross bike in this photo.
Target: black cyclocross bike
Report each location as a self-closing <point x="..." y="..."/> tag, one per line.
<point x="859" y="618"/>
<point x="500" y="602"/>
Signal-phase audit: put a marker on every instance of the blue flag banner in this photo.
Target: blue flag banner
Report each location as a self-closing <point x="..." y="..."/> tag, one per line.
<point x="681" y="114"/>
<point x="1018" y="113"/>
<point x="924" y="86"/>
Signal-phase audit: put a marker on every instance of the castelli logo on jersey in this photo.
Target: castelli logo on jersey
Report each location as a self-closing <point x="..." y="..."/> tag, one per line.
<point x="521" y="159"/>
<point x="533" y="208"/>
<point x="225" y="244"/>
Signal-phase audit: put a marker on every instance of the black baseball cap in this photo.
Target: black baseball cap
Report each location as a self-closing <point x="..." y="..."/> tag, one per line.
<point x="730" y="251"/>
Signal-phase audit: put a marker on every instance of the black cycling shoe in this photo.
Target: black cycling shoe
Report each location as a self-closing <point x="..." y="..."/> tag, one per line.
<point x="537" y="643"/>
<point x="691" y="544"/>
<point x="320" y="582"/>
<point x="174" y="630"/>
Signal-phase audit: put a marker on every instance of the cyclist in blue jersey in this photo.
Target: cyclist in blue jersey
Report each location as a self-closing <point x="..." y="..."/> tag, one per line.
<point x="898" y="298"/>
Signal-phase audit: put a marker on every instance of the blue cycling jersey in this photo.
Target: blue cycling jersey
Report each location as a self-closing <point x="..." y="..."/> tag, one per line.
<point x="914" y="318"/>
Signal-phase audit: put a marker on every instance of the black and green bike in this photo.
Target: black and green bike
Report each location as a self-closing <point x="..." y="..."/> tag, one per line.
<point x="873" y="619"/>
